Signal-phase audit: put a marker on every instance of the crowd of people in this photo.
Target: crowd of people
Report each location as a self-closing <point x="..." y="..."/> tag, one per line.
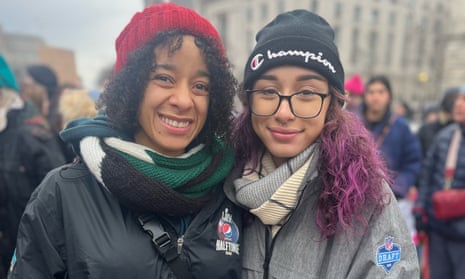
<point x="318" y="176"/>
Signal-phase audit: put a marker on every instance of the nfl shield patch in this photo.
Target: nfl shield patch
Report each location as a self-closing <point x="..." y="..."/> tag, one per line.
<point x="388" y="254"/>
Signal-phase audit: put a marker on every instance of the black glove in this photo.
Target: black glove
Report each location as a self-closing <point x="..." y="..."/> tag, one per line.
<point x="421" y="219"/>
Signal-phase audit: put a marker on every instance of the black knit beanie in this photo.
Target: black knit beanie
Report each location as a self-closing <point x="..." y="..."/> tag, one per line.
<point x="299" y="38"/>
<point x="46" y="77"/>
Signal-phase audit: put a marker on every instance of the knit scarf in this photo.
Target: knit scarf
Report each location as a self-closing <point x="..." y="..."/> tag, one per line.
<point x="148" y="182"/>
<point x="272" y="193"/>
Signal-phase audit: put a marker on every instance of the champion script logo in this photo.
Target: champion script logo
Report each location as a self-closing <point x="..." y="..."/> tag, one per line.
<point x="256" y="62"/>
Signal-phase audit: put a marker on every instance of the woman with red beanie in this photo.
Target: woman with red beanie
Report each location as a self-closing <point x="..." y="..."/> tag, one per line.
<point x="144" y="199"/>
<point x="307" y="171"/>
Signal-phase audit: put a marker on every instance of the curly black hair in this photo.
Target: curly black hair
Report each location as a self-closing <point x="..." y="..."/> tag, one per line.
<point x="123" y="95"/>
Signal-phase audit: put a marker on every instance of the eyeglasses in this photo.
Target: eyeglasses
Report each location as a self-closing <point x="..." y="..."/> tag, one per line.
<point x="303" y="104"/>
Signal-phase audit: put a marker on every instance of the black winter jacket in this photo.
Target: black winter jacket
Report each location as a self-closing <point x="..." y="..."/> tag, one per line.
<point x="27" y="153"/>
<point x="432" y="180"/>
<point x="74" y="228"/>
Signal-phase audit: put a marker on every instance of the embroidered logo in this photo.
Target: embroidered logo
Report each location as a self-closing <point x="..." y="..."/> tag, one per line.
<point x="388" y="254"/>
<point x="256" y="62"/>
<point x="307" y="55"/>
<point x="228" y="234"/>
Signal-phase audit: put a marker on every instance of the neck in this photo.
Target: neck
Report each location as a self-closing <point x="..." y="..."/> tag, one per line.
<point x="374" y="116"/>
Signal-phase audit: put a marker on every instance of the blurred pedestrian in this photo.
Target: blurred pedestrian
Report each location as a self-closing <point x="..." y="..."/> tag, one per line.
<point x="307" y="170"/>
<point x="45" y="76"/>
<point x="145" y="198"/>
<point x="26" y="155"/>
<point x="428" y="131"/>
<point x="399" y="146"/>
<point x="75" y="104"/>
<point x="444" y="167"/>
<point x="355" y="88"/>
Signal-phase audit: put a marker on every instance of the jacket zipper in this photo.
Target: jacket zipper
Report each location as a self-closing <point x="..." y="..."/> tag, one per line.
<point x="180" y="243"/>
<point x="268" y="234"/>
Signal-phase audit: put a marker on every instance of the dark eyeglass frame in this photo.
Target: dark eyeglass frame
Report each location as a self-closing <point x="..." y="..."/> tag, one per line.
<point x="323" y="96"/>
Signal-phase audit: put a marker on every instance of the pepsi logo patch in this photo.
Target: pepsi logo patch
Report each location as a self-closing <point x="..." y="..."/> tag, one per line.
<point x="256" y="62"/>
<point x="388" y="254"/>
<point x="228" y="234"/>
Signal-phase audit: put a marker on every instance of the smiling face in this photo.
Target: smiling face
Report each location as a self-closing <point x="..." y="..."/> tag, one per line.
<point x="284" y="134"/>
<point x="175" y="103"/>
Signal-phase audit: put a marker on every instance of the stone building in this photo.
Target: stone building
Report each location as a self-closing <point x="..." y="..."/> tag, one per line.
<point x="454" y="57"/>
<point x="404" y="39"/>
<point x="22" y="50"/>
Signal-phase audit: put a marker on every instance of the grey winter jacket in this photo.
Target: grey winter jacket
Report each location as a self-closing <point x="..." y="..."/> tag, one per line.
<point x="384" y="250"/>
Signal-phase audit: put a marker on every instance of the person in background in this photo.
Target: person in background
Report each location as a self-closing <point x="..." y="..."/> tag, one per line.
<point x="37" y="95"/>
<point x="403" y="109"/>
<point x="430" y="114"/>
<point x="399" y="146"/>
<point x="446" y="237"/>
<point x="45" y="76"/>
<point x="75" y="104"/>
<point x="428" y="131"/>
<point x="26" y="155"/>
<point x="355" y="88"/>
<point x="144" y="199"/>
<point x="307" y="170"/>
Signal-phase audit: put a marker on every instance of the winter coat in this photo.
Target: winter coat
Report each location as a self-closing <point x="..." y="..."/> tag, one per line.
<point x="74" y="228"/>
<point x="383" y="249"/>
<point x="432" y="180"/>
<point x="401" y="150"/>
<point x="27" y="152"/>
<point x="428" y="132"/>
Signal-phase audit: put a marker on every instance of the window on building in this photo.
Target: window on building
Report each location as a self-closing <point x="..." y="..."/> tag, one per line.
<point x="281" y="6"/>
<point x="314" y="6"/>
<point x="249" y="14"/>
<point x="336" y="35"/>
<point x="250" y="40"/>
<point x="375" y="16"/>
<point x="223" y="27"/>
<point x="405" y="48"/>
<point x="388" y="49"/>
<point x="392" y="18"/>
<point x="354" y="48"/>
<point x="357" y="13"/>
<point x="372" y="47"/>
<point x="264" y="10"/>
<point x="338" y="10"/>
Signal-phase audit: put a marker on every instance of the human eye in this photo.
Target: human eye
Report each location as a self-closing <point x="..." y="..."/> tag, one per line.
<point x="267" y="92"/>
<point x="201" y="88"/>
<point x="162" y="79"/>
<point x="306" y="95"/>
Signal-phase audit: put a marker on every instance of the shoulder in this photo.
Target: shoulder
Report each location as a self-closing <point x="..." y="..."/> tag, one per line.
<point x="38" y="127"/>
<point x="60" y="181"/>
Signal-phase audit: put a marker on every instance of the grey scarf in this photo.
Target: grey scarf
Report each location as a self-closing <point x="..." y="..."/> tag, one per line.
<point x="255" y="189"/>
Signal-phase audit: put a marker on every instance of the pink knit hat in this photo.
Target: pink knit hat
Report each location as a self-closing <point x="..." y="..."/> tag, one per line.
<point x="355" y="85"/>
<point x="159" y="18"/>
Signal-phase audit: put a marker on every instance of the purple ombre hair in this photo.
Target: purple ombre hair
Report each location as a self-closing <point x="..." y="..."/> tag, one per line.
<point x="350" y="168"/>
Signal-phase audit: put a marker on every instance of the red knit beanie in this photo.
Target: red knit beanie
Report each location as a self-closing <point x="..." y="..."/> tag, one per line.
<point x="355" y="85"/>
<point x="158" y="18"/>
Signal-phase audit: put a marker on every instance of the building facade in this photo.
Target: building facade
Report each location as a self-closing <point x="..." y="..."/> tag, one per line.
<point x="454" y="57"/>
<point x="404" y="39"/>
<point x="21" y="50"/>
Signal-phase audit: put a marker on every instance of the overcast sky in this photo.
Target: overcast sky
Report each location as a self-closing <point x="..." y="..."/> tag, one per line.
<point x="88" y="27"/>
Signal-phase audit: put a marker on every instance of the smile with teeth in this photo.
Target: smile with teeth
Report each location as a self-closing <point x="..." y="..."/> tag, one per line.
<point x="174" y="123"/>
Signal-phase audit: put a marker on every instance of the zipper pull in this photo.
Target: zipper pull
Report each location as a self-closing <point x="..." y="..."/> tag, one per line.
<point x="180" y="243"/>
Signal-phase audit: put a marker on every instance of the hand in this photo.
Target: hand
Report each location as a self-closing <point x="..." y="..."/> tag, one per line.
<point x="421" y="219"/>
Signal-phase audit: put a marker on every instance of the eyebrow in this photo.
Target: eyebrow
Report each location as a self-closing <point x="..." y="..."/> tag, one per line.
<point x="171" y="67"/>
<point x="299" y="78"/>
